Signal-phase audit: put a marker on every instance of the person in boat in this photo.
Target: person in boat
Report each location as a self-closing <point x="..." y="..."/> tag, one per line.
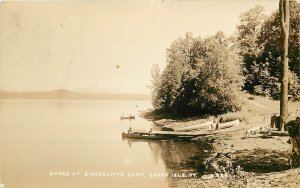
<point x="151" y="132"/>
<point x="130" y="130"/>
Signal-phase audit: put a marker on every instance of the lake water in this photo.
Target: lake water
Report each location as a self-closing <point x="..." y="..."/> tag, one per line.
<point x="48" y="143"/>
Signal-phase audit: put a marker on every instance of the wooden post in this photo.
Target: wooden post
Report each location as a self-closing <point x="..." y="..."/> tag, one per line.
<point x="284" y="22"/>
<point x="275" y="122"/>
<point x="294" y="132"/>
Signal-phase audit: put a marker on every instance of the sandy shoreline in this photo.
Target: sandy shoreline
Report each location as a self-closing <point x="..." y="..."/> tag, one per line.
<point x="265" y="159"/>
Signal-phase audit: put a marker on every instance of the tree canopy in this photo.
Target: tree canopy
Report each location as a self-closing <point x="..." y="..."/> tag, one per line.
<point x="201" y="76"/>
<point x="206" y="76"/>
<point x="259" y="43"/>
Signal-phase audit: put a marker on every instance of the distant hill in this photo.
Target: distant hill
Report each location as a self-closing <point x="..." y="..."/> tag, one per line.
<point x="66" y="94"/>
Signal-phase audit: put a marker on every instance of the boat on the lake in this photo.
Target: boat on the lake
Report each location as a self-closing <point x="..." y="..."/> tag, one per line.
<point x="160" y="135"/>
<point x="148" y="136"/>
<point x="127" y="117"/>
<point x="177" y="135"/>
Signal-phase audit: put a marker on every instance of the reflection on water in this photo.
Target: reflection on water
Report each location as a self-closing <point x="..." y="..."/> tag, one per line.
<point x="178" y="156"/>
<point x="79" y="144"/>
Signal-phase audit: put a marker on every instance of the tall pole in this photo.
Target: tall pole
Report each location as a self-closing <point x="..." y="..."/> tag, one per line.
<point x="284" y="22"/>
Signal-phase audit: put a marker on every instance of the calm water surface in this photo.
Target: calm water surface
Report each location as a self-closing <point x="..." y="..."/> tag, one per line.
<point x="75" y="143"/>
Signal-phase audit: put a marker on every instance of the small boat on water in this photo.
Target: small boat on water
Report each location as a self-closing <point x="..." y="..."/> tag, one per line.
<point x="160" y="135"/>
<point x="147" y="136"/>
<point x="127" y="117"/>
<point x="177" y="135"/>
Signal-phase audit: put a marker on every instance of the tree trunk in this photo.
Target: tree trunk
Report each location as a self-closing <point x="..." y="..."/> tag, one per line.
<point x="284" y="22"/>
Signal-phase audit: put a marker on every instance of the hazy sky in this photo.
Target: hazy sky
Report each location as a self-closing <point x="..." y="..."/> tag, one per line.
<point x="78" y="44"/>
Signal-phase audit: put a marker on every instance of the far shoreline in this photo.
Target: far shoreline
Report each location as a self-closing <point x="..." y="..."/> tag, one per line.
<point x="70" y="95"/>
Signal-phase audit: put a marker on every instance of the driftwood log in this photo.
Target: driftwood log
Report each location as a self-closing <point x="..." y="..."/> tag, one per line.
<point x="275" y="133"/>
<point x="273" y="129"/>
<point x="255" y="130"/>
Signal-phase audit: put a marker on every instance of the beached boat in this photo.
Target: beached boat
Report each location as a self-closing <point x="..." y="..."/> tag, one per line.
<point x="208" y="125"/>
<point x="229" y="124"/>
<point x="204" y="125"/>
<point x="127" y="117"/>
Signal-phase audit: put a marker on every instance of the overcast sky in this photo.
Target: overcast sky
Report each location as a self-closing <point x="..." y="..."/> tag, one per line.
<point x="78" y="44"/>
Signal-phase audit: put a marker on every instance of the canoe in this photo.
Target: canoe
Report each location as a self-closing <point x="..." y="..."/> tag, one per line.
<point x="194" y="127"/>
<point x="176" y="135"/>
<point x="127" y="117"/>
<point x="169" y="133"/>
<point x="156" y="136"/>
<point x="208" y="125"/>
<point x="229" y="124"/>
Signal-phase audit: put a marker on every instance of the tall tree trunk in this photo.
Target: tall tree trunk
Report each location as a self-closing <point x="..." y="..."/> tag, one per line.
<point x="284" y="22"/>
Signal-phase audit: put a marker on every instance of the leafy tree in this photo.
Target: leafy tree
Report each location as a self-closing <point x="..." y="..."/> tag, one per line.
<point x="269" y="38"/>
<point x="201" y="76"/>
<point x="248" y="31"/>
<point x="180" y="60"/>
<point x="259" y="43"/>
<point x="155" y="87"/>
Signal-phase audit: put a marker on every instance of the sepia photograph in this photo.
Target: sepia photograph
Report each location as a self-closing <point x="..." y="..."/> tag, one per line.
<point x="149" y="93"/>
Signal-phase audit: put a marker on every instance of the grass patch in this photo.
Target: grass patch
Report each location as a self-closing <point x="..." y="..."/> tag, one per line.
<point x="252" y="106"/>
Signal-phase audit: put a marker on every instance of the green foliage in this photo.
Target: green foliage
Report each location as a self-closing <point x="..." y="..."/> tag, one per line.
<point x="201" y="77"/>
<point x="270" y="40"/>
<point x="155" y="73"/>
<point x="205" y="76"/>
<point x="248" y="31"/>
<point x="259" y="43"/>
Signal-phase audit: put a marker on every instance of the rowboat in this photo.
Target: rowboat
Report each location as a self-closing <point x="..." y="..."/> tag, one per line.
<point x="127" y="117"/>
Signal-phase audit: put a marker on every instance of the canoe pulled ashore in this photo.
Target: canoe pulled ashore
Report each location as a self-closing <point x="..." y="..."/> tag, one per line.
<point x="228" y="124"/>
<point x="209" y="125"/>
<point x="193" y="127"/>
